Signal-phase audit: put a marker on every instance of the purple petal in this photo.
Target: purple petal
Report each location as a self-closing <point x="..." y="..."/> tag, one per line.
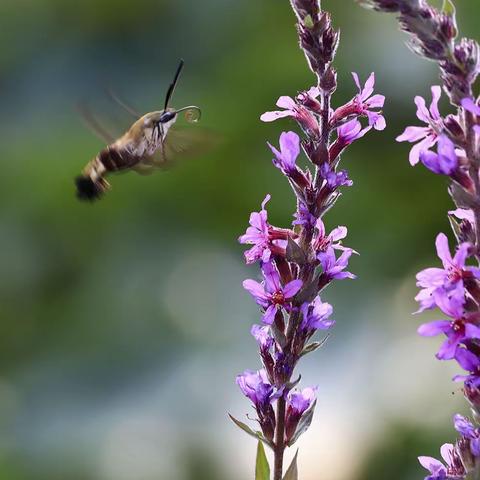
<point x="433" y="465"/>
<point x="413" y="134"/>
<point x="446" y="450"/>
<point x="431" y="277"/>
<point x="467" y="360"/>
<point x="377" y="101"/>
<point x="272" y="116"/>
<point x="463" y="214"/>
<point x="422" y="112"/>
<point x="338" y="233"/>
<point x="461" y="255"/>
<point x="436" y="94"/>
<point x="286" y="102"/>
<point x="357" y="81"/>
<point x="292" y="288"/>
<point x="255" y="289"/>
<point x="448" y="347"/>
<point x="472" y="331"/>
<point x="463" y="426"/>
<point x="269" y="315"/>
<point x="469" y="105"/>
<point x="368" y="88"/>
<point x="431" y="329"/>
<point x="422" y="146"/>
<point x="443" y="250"/>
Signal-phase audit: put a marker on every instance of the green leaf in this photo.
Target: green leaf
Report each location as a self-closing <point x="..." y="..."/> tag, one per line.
<point x="292" y="472"/>
<point x="247" y="429"/>
<point x="448" y="8"/>
<point x="311" y="347"/>
<point x="262" y="469"/>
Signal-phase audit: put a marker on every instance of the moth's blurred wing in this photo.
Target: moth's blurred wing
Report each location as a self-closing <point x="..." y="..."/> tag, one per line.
<point x="93" y="124"/>
<point x="188" y="141"/>
<point x="181" y="142"/>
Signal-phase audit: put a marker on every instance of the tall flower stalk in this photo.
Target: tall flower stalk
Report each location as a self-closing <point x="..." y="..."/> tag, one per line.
<point x="298" y="262"/>
<point x="449" y="145"/>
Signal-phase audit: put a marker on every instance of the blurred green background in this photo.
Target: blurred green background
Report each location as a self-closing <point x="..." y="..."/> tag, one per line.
<point x="124" y="323"/>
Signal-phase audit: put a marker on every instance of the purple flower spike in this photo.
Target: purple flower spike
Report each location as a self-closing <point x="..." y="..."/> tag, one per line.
<point x="257" y="234"/>
<point x="445" y="162"/>
<point x="316" y="315"/>
<point x="334" y="268"/>
<point x="270" y="294"/>
<point x="289" y="150"/>
<point x="367" y="102"/>
<point x="427" y="135"/>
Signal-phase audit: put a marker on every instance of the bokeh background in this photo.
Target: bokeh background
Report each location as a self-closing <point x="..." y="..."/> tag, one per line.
<point x="123" y="324"/>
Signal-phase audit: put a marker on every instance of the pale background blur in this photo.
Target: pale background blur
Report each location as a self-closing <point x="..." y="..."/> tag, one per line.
<point x="123" y="324"/>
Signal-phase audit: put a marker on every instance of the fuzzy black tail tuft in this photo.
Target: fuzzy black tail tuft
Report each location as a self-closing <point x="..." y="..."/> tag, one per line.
<point x="89" y="190"/>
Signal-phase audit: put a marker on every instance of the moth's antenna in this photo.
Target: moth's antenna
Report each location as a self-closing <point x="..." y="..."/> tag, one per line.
<point x="172" y="86"/>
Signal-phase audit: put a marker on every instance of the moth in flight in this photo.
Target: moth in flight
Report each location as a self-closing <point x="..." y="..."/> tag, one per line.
<point x="152" y="142"/>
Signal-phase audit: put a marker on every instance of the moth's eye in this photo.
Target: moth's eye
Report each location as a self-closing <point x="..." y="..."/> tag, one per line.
<point x="167" y="116"/>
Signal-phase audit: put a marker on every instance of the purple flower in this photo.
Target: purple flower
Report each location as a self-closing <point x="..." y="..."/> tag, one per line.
<point x="457" y="330"/>
<point x="257" y="234"/>
<point x="427" y="135"/>
<point x="270" y="294"/>
<point x="351" y="131"/>
<point x="303" y="216"/>
<point x="262" y="336"/>
<point x="334" y="179"/>
<point x="445" y="162"/>
<point x="366" y="102"/>
<point x="256" y="387"/>
<point x="467" y="430"/>
<point x="436" y="468"/>
<point x="334" y="268"/>
<point x="471" y="363"/>
<point x="316" y="315"/>
<point x="446" y="281"/>
<point x="290" y="106"/>
<point x="289" y="150"/>
<point x="300" y="113"/>
<point x="322" y="241"/>
<point x="299" y="402"/>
